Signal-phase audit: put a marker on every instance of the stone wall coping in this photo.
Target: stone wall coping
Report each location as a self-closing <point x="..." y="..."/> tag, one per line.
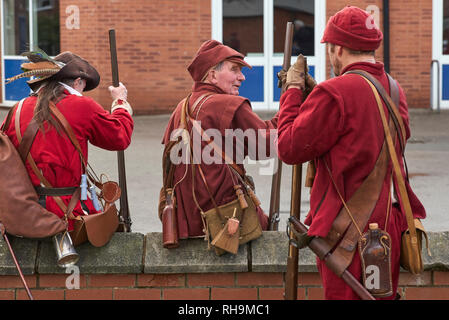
<point x="134" y="253"/>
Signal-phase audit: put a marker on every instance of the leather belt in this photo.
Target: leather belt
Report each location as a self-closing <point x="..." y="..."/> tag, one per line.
<point x="55" y="192"/>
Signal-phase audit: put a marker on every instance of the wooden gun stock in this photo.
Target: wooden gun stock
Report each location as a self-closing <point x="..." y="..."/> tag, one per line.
<point x="322" y="250"/>
<point x="291" y="276"/>
<point x="125" y="220"/>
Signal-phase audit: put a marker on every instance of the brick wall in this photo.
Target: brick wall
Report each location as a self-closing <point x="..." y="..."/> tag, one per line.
<point x="135" y="266"/>
<point x="410" y="44"/>
<point x="155" y="41"/>
<point x="431" y="285"/>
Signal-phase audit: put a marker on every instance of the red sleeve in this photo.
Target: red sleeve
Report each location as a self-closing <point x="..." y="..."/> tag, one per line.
<point x="260" y="134"/>
<point x="105" y="130"/>
<point x="403" y="110"/>
<point x="308" y="130"/>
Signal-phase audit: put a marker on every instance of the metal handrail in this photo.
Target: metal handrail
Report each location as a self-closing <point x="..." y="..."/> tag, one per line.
<point x="438" y="84"/>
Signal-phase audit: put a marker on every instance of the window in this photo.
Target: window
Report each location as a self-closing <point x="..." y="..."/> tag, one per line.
<point x="16" y="26"/>
<point x="302" y="14"/>
<point x="46" y="26"/>
<point x="43" y="19"/>
<point x="446" y="27"/>
<point x="243" y="26"/>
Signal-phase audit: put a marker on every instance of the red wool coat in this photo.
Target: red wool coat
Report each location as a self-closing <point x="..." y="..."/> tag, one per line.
<point x="55" y="155"/>
<point x="221" y="111"/>
<point x="340" y="122"/>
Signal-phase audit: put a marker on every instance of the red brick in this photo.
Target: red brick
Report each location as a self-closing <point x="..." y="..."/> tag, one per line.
<point x="426" y="293"/>
<point x="161" y="280"/>
<point x="16" y="282"/>
<point x="163" y="53"/>
<point x="234" y="293"/>
<point x="89" y="294"/>
<point x="112" y="280"/>
<point x="271" y="293"/>
<point x="41" y="294"/>
<point x="408" y="279"/>
<point x="57" y="280"/>
<point x="7" y="294"/>
<point x="137" y="294"/>
<point x="210" y="279"/>
<point x="440" y="278"/>
<point x="309" y="278"/>
<point x="259" y="279"/>
<point x="186" y="294"/>
<point x="315" y="294"/>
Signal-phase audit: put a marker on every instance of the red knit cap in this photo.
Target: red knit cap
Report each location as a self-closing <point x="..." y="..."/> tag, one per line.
<point x="353" y="28"/>
<point x="210" y="54"/>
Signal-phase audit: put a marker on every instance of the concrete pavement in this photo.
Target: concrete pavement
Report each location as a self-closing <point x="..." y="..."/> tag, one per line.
<point x="427" y="156"/>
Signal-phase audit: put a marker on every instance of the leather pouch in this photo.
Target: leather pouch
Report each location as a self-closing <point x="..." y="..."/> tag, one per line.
<point x="411" y="258"/>
<point x="249" y="224"/>
<point x="96" y="228"/>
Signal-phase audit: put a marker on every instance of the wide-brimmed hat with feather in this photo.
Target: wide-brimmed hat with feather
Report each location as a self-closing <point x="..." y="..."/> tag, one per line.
<point x="65" y="65"/>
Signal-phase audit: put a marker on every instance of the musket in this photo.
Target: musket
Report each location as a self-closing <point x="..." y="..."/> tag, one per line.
<point x="322" y="249"/>
<point x="125" y="220"/>
<point x="5" y="237"/>
<point x="275" y="197"/>
<point x="291" y="276"/>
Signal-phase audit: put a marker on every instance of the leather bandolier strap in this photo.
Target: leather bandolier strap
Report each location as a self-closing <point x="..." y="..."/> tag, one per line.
<point x="343" y="231"/>
<point x="24" y="148"/>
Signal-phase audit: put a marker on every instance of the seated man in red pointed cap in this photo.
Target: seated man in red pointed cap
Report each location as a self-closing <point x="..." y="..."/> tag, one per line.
<point x="60" y="82"/>
<point x="338" y="126"/>
<point x="215" y="104"/>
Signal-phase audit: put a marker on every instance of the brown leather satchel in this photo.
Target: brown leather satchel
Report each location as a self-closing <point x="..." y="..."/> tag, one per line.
<point x="217" y="220"/>
<point x="20" y="212"/>
<point x="97" y="228"/>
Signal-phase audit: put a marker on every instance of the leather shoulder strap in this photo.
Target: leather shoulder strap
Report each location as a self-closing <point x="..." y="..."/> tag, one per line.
<point x="25" y="143"/>
<point x="392" y="104"/>
<point x="202" y="133"/>
<point x="67" y="129"/>
<point x="399" y="177"/>
<point x="29" y="135"/>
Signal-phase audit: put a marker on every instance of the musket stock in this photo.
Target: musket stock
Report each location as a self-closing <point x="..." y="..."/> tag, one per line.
<point x="322" y="249"/>
<point x="125" y="220"/>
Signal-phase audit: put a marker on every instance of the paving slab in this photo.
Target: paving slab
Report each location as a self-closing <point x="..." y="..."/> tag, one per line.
<point x="191" y="256"/>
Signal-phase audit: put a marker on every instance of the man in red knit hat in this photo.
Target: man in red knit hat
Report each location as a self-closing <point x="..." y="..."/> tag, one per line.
<point x="338" y="126"/>
<point x="215" y="103"/>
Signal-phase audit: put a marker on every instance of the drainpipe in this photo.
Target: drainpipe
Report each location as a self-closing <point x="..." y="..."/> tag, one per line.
<point x="386" y="27"/>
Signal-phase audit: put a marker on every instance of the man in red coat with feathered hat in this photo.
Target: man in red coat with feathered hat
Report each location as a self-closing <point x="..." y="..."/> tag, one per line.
<point x="338" y="124"/>
<point x="62" y="81"/>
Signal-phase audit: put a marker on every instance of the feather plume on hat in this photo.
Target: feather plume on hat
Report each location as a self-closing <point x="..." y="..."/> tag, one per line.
<point x="40" y="65"/>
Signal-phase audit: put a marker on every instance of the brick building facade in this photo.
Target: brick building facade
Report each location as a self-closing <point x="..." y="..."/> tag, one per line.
<point x="157" y="39"/>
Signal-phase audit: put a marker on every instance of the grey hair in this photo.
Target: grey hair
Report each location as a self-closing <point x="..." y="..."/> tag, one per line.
<point x="217" y="67"/>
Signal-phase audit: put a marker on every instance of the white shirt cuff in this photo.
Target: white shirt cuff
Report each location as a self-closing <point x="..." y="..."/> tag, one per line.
<point x="123" y="105"/>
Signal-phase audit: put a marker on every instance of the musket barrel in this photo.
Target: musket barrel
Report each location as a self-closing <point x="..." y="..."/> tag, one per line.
<point x="124" y="208"/>
<point x="275" y="197"/>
